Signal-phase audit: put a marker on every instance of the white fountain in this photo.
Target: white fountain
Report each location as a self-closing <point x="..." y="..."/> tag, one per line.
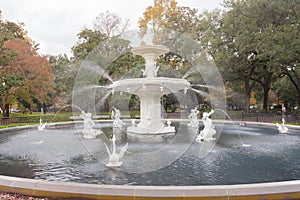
<point x="281" y="127"/>
<point x="114" y="157"/>
<point x="150" y="89"/>
<point x="207" y="134"/>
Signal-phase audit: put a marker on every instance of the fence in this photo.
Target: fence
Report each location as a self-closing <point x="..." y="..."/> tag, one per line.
<point x="268" y="118"/>
<point x="33" y="119"/>
<point x="252" y="117"/>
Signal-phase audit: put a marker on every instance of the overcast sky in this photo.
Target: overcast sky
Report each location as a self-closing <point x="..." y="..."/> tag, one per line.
<point x="54" y="24"/>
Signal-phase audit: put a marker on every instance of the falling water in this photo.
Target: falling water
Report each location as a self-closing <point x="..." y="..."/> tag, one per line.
<point x="243" y="144"/>
<point x="200" y="85"/>
<point x="200" y="92"/>
<point x="188" y="73"/>
<point x="89" y="87"/>
<point x="101" y="102"/>
<point x="73" y="105"/>
<point x="105" y="75"/>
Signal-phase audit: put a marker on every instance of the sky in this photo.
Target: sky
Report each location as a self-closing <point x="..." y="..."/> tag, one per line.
<point x="54" y="24"/>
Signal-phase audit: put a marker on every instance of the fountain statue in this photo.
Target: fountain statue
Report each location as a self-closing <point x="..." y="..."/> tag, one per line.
<point x="115" y="115"/>
<point x="150" y="89"/>
<point x="114" y="157"/>
<point x="193" y="117"/>
<point x="88" y="131"/>
<point x="42" y="125"/>
<point x="281" y="127"/>
<point x="209" y="129"/>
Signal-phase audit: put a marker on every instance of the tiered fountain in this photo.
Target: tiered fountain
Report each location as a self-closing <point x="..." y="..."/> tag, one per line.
<point x="150" y="89"/>
<point x="178" y="168"/>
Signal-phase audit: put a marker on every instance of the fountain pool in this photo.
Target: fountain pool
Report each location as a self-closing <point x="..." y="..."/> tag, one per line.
<point x="36" y="163"/>
<point x="270" y="157"/>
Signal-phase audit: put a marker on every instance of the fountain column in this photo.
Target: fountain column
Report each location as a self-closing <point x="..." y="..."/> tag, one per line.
<point x="150" y="89"/>
<point x="150" y="112"/>
<point x="150" y="95"/>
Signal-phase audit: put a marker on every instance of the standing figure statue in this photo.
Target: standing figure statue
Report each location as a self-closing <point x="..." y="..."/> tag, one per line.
<point x="88" y="131"/>
<point x="87" y="119"/>
<point x="116" y="115"/>
<point x="209" y="129"/>
<point x="193" y="117"/>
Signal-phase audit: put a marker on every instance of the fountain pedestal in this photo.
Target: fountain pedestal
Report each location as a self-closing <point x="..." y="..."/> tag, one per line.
<point x="150" y="89"/>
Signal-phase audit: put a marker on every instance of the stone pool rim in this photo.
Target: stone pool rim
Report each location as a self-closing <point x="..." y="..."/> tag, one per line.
<point x="69" y="190"/>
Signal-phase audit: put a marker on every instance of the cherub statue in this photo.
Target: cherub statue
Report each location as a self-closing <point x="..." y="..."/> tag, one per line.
<point x="193" y="117"/>
<point x="209" y="129"/>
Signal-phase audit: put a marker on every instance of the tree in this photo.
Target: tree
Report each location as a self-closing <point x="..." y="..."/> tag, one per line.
<point x="8" y="87"/>
<point x="88" y="41"/>
<point x="156" y="16"/>
<point x="110" y="24"/>
<point x="65" y="72"/>
<point x="103" y="55"/>
<point x="251" y="40"/>
<point x="37" y="73"/>
<point x="8" y="31"/>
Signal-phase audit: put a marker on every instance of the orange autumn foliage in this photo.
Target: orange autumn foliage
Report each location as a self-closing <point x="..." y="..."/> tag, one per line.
<point x="37" y="71"/>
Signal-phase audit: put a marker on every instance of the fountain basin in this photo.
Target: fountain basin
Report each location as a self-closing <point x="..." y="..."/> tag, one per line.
<point x="270" y="190"/>
<point x="157" y="85"/>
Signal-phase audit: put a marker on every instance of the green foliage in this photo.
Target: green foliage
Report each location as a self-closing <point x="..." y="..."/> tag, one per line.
<point x="65" y="72"/>
<point x="251" y="41"/>
<point x="88" y="41"/>
<point x="8" y="31"/>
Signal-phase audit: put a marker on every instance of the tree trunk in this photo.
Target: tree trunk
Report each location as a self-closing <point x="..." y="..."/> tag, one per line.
<point x="6" y="111"/>
<point x="266" y="88"/>
<point x="247" y="101"/>
<point x="266" y="97"/>
<point x="296" y="84"/>
<point x="248" y="89"/>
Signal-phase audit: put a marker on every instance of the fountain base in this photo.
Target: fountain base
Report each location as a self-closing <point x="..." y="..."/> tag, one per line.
<point x="146" y="134"/>
<point x="114" y="164"/>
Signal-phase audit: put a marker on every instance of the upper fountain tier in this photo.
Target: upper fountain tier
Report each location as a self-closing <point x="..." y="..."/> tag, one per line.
<point x="150" y="53"/>
<point x="151" y="84"/>
<point x="154" y="50"/>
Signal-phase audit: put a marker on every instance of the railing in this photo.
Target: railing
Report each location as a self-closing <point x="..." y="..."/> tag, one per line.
<point x="252" y="117"/>
<point x="33" y="119"/>
<point x="268" y="118"/>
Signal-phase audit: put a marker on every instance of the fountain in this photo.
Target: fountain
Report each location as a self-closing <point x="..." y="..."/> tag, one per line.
<point x="150" y="89"/>
<point x="218" y="165"/>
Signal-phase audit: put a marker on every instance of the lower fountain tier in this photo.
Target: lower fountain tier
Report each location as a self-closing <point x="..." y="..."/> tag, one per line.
<point x="151" y="133"/>
<point x="150" y="91"/>
<point x="151" y="128"/>
<point x="156" y="85"/>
